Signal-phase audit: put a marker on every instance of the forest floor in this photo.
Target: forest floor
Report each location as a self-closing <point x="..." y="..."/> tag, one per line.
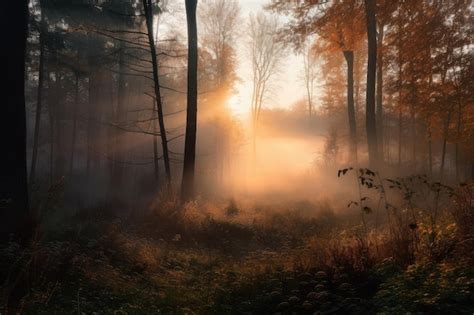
<point x="221" y="259"/>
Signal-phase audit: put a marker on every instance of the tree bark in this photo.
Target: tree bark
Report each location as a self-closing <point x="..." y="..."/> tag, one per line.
<point x="120" y="117"/>
<point x="457" y="153"/>
<point x="39" y="103"/>
<point x="155" y="149"/>
<point x="400" y="133"/>
<point x="90" y="115"/>
<point x="51" y="130"/>
<point x="430" y="152"/>
<point x="74" y="125"/>
<point x="380" y="138"/>
<point x="371" y="76"/>
<point x="445" y="143"/>
<point x="147" y="5"/>
<point x="187" y="186"/>
<point x="349" y="55"/>
<point x="14" y="210"/>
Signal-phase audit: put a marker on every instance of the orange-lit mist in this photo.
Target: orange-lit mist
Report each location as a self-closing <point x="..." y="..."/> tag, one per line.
<point x="286" y="166"/>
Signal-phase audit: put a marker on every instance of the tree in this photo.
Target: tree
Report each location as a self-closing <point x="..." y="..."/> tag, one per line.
<point x="370" y="122"/>
<point x="309" y="77"/>
<point x="147" y="5"/>
<point x="187" y="185"/>
<point x="338" y="24"/>
<point x="39" y="98"/>
<point x="218" y="31"/>
<point x="218" y="22"/>
<point x="266" y="53"/>
<point x="13" y="175"/>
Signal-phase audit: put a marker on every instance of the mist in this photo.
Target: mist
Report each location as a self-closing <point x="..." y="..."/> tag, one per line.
<point x="237" y="157"/>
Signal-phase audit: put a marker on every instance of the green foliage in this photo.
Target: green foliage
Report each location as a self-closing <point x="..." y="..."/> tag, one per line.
<point x="429" y="289"/>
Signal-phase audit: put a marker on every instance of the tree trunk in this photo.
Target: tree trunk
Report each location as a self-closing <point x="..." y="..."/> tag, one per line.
<point x="155" y="149"/>
<point x="457" y="153"/>
<point x="187" y="186"/>
<point x="14" y="209"/>
<point x="309" y="81"/>
<point x="371" y="75"/>
<point x="349" y="55"/>
<point x="74" y="125"/>
<point x="120" y="117"/>
<point x="60" y="159"/>
<point x="430" y="152"/>
<point x="400" y="123"/>
<point x="445" y="140"/>
<point x="90" y="115"/>
<point x="39" y="104"/>
<point x="413" y="99"/>
<point x="51" y="131"/>
<point x="147" y="5"/>
<point x="380" y="139"/>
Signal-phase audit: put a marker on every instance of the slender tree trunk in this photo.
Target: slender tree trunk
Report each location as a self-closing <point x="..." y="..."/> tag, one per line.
<point x="430" y="152"/>
<point x="400" y="91"/>
<point x="90" y="124"/>
<point x="400" y="133"/>
<point x="413" y="100"/>
<point x="155" y="149"/>
<point x="74" y="125"/>
<point x="380" y="137"/>
<point x="356" y="88"/>
<point x="445" y="143"/>
<point x="309" y="81"/>
<point x="14" y="210"/>
<point x="51" y="131"/>
<point x="457" y="153"/>
<point x="39" y="105"/>
<point x="60" y="154"/>
<point x="119" y="119"/>
<point x="371" y="76"/>
<point x="472" y="170"/>
<point x="187" y="187"/>
<point x="413" y="137"/>
<point x="349" y="55"/>
<point x="147" y="5"/>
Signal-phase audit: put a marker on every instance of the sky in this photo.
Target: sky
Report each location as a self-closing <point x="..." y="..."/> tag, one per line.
<point x="287" y="85"/>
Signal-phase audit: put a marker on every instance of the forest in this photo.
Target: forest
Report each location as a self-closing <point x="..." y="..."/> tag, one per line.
<point x="237" y="157"/>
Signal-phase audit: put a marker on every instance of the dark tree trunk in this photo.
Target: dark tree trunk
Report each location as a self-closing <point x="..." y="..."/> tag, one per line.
<point x="51" y="130"/>
<point x="445" y="143"/>
<point x="371" y="75"/>
<point x="430" y="152"/>
<point x="349" y="55"/>
<point x="187" y="187"/>
<point x="380" y="139"/>
<point x="120" y="117"/>
<point x="413" y="99"/>
<point x="74" y="126"/>
<point x="60" y="157"/>
<point x="457" y="153"/>
<point x="13" y="174"/>
<point x="400" y="86"/>
<point x="39" y="104"/>
<point x="91" y="113"/>
<point x="155" y="151"/>
<point x="147" y="5"/>
<point x="400" y="133"/>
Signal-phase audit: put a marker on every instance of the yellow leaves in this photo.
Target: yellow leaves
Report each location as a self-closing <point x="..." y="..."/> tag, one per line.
<point x="452" y="227"/>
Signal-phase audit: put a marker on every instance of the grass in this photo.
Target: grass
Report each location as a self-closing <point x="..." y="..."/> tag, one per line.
<point x="208" y="258"/>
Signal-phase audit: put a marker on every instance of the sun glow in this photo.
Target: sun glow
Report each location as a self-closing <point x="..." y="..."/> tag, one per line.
<point x="237" y="104"/>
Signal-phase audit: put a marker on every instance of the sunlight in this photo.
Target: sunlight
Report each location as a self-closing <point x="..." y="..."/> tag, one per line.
<point x="237" y="157"/>
<point x="235" y="104"/>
